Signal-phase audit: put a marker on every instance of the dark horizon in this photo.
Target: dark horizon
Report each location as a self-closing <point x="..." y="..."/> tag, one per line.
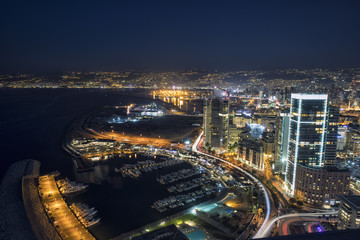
<point x="115" y="36"/>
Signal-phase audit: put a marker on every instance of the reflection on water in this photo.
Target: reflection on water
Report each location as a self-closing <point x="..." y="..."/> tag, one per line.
<point x="120" y="199"/>
<point x="98" y="175"/>
<point x="32" y="126"/>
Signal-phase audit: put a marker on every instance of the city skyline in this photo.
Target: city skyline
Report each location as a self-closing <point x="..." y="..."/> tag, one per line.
<point x="182" y="120"/>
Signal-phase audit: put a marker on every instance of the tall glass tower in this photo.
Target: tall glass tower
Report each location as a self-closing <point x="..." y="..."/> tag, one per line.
<point x="312" y="135"/>
<point x="216" y="120"/>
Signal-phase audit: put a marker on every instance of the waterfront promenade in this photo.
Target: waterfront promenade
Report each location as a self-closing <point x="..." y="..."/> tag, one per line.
<point x="67" y="224"/>
<point x="41" y="224"/>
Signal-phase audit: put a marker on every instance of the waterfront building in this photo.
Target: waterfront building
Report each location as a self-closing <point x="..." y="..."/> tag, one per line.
<point x="349" y="212"/>
<point x="216" y="120"/>
<point x="312" y="135"/>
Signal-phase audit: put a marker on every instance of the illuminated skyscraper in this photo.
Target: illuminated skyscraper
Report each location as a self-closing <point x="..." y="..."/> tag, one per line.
<point x="281" y="142"/>
<point x="216" y="120"/>
<point x="312" y="135"/>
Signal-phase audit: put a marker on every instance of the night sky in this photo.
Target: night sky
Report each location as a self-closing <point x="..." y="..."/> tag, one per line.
<point x="225" y="35"/>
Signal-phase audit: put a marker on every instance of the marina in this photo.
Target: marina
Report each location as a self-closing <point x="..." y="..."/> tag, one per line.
<point x="179" y="175"/>
<point x="67" y="224"/>
<point x="171" y="202"/>
<point x="85" y="214"/>
<point x="66" y="186"/>
<point x="135" y="170"/>
<point x="188" y="185"/>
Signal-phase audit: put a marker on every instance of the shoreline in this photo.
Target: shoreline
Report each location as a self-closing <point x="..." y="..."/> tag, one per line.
<point x="142" y="230"/>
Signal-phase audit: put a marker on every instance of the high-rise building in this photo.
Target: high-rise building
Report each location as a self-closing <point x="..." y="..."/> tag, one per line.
<point x="331" y="131"/>
<point x="216" y="120"/>
<point x="341" y="138"/>
<point x="312" y="135"/>
<point x="281" y="142"/>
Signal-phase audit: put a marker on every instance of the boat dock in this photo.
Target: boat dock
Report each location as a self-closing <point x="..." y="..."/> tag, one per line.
<point x="64" y="220"/>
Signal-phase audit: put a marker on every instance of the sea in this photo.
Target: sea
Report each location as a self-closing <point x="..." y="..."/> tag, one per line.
<point x="32" y="126"/>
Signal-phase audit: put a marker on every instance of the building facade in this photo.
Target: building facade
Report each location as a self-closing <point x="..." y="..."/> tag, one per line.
<point x="281" y="142"/>
<point x="251" y="152"/>
<point x="312" y="135"/>
<point x="341" y="139"/>
<point x="216" y="120"/>
<point x="349" y="212"/>
<point x="321" y="185"/>
<point x="267" y="140"/>
<point x="251" y="149"/>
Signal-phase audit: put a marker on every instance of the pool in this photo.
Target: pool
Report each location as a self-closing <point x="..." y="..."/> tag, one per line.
<point x="197" y="235"/>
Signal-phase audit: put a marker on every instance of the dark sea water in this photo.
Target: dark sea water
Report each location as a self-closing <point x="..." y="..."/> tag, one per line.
<point x="32" y="126"/>
<point x="33" y="121"/>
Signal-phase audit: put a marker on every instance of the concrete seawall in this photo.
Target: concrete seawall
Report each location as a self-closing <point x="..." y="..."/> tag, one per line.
<point x="14" y="223"/>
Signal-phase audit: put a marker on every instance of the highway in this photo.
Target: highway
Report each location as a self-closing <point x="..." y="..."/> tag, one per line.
<point x="66" y="223"/>
<point x="267" y="197"/>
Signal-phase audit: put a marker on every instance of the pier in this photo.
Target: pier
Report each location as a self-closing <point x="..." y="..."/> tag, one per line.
<point x="66" y="223"/>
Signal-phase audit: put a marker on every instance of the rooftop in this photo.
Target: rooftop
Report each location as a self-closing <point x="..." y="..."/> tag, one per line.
<point x="335" y="235"/>
<point x="354" y="201"/>
<point x="169" y="232"/>
<point x="307" y="96"/>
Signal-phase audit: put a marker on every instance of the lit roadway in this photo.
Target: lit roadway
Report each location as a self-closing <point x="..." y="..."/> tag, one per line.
<point x="267" y="197"/>
<point x="66" y="223"/>
<point x="288" y="219"/>
<point x="134" y="140"/>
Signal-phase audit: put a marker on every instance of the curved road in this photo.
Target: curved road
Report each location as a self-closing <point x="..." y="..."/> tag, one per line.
<point x="269" y="226"/>
<point x="267" y="197"/>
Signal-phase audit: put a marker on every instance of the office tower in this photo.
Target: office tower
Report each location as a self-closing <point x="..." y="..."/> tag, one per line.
<point x="331" y="135"/>
<point x="216" y="120"/>
<point x="311" y="172"/>
<point x="281" y="142"/>
<point x="312" y="135"/>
